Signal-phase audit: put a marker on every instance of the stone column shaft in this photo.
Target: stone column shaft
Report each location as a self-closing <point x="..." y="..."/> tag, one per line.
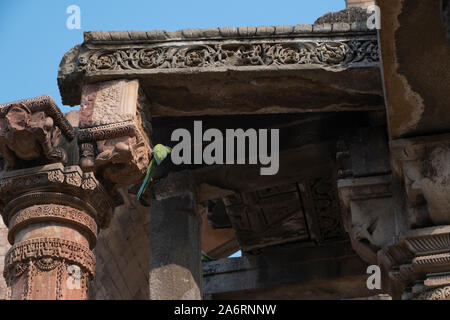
<point x="175" y="243"/>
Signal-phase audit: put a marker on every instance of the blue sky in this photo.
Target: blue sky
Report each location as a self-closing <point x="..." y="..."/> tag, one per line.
<point x="34" y="36"/>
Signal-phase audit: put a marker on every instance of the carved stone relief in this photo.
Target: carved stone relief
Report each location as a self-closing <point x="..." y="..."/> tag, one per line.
<point x="424" y="166"/>
<point x="239" y="54"/>
<point x="368" y="214"/>
<point x="31" y="130"/>
<point x="113" y="136"/>
<point x="305" y="211"/>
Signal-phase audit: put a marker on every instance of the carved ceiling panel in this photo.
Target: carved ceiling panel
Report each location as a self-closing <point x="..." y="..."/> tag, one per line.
<point x="304" y="211"/>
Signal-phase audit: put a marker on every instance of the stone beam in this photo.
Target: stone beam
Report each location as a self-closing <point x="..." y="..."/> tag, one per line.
<point x="337" y="62"/>
<point x="289" y="272"/>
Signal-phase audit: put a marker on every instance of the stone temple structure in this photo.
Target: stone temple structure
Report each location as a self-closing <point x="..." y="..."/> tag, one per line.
<point x="364" y="175"/>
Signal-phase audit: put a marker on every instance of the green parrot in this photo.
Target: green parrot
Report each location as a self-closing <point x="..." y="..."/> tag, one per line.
<point x="205" y="257"/>
<point x="160" y="153"/>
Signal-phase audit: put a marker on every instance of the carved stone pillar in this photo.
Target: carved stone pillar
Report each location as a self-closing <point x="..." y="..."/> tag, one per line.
<point x="175" y="241"/>
<point x="53" y="214"/>
<point x="53" y="210"/>
<point x="53" y="207"/>
<point x="419" y="262"/>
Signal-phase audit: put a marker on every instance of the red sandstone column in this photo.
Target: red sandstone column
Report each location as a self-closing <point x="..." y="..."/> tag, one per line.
<point x="53" y="217"/>
<point x="57" y="192"/>
<point x="53" y="210"/>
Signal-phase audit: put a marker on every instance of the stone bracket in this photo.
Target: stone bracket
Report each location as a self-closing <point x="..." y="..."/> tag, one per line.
<point x="114" y="134"/>
<point x="422" y="165"/>
<point x="30" y="132"/>
<point x="368" y="215"/>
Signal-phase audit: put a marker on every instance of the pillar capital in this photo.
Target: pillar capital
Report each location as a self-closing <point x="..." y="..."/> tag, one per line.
<point x="30" y="133"/>
<point x="419" y="263"/>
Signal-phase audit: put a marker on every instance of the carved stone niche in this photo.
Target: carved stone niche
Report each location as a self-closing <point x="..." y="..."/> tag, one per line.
<point x="30" y="132"/>
<point x="113" y="132"/>
<point x="419" y="264"/>
<point x="368" y="214"/>
<point x="422" y="168"/>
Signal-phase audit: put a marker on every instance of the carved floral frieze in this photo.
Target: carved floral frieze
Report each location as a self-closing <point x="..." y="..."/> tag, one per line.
<point x="325" y="53"/>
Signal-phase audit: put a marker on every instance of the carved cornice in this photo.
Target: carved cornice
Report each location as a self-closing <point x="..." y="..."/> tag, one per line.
<point x="105" y="55"/>
<point x="321" y="53"/>
<point x="345" y="21"/>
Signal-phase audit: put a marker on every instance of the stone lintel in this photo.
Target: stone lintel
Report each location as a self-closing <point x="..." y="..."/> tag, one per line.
<point x="289" y="272"/>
